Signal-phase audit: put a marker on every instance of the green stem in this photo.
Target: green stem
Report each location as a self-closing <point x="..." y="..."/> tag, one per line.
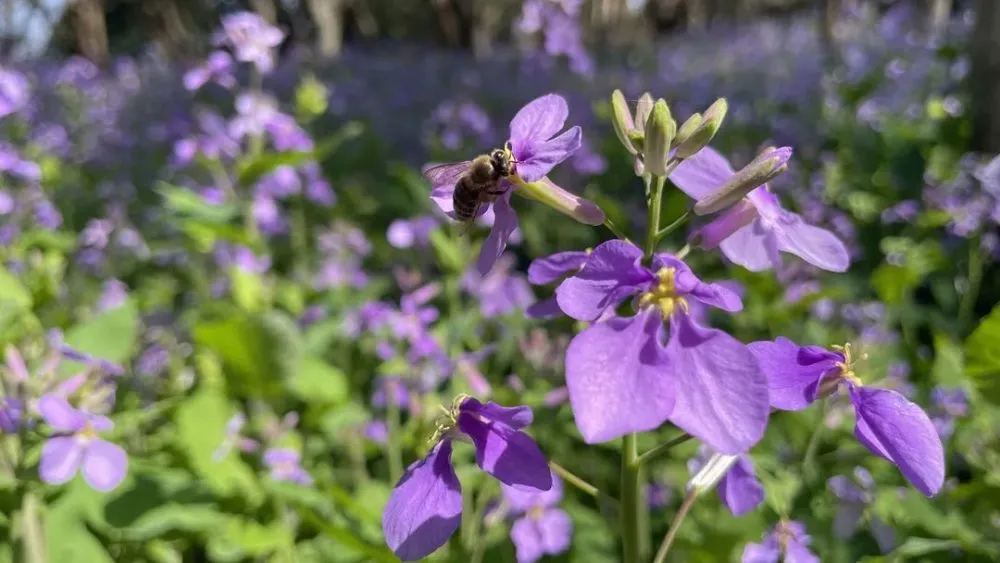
<point x="968" y="304"/>
<point x="32" y="533"/>
<point x="614" y="229"/>
<point x="808" y="460"/>
<point x="655" y="203"/>
<point x="662" y="449"/>
<point x="631" y="501"/>
<point x="675" y="525"/>
<point x="673" y="226"/>
<point x="572" y="479"/>
<point x="392" y="444"/>
<point x="683" y="252"/>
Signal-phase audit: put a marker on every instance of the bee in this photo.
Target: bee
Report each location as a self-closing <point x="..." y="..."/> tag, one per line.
<point x="477" y="181"/>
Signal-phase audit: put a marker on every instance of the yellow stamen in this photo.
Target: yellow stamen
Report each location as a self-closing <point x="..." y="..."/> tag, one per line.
<point x="664" y="294"/>
<point x="847" y="366"/>
<point x="448" y="419"/>
<point x="536" y="512"/>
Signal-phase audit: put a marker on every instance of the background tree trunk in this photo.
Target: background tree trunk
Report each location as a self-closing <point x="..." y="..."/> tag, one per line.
<point x="984" y="80"/>
<point x="91" y="29"/>
<point x="328" y="15"/>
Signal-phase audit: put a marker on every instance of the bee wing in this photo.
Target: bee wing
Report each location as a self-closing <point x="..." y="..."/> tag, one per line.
<point x="445" y="174"/>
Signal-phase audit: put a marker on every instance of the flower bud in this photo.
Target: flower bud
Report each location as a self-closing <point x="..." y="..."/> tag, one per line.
<point x="719" y="229"/>
<point x="712" y="121"/>
<point x="767" y="166"/>
<point x="710" y="474"/>
<point x="569" y="204"/>
<point x="621" y="120"/>
<point x="660" y="129"/>
<point x="690" y="127"/>
<point x="643" y="108"/>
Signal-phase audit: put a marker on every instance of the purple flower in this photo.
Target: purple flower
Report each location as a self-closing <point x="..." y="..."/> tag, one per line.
<point x="425" y="507"/>
<point x="501" y="291"/>
<point x="233" y="437"/>
<point x="855" y="494"/>
<point x="410" y="233"/>
<point x="76" y="447"/>
<point x="251" y="38"/>
<point x="739" y="489"/>
<point x="218" y="68"/>
<point x="887" y="424"/>
<point x="543" y="528"/>
<point x="549" y="269"/>
<point x="284" y="464"/>
<point x="626" y="374"/>
<point x="15" y="92"/>
<point x="947" y="405"/>
<point x="537" y="148"/>
<point x="786" y="542"/>
<point x="391" y="389"/>
<point x="113" y="295"/>
<point x="753" y="231"/>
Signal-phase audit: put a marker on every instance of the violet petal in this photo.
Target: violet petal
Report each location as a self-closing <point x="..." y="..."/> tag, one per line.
<point x="61" y="457"/>
<point x="507" y="454"/>
<point x="791" y="384"/>
<point x="701" y="174"/>
<point x="551" y="268"/>
<point x="815" y="245"/>
<point x="104" y="465"/>
<point x="504" y="224"/>
<point x="740" y="490"/>
<point x="611" y="274"/>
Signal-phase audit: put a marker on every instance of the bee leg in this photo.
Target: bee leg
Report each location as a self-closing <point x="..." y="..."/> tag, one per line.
<point x="497" y="192"/>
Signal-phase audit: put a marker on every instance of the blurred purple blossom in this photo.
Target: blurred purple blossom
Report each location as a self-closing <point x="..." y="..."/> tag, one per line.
<point x="76" y="447"/>
<point x="285" y="464"/>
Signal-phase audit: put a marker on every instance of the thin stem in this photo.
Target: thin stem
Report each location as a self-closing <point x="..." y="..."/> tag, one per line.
<point x="683" y="252"/>
<point x="673" y="226"/>
<point x="614" y="229"/>
<point x="572" y="479"/>
<point x="675" y="525"/>
<point x="631" y="497"/>
<point x="655" y="203"/>
<point x="968" y="303"/>
<point x="810" y="456"/>
<point x="662" y="449"/>
<point x="392" y="444"/>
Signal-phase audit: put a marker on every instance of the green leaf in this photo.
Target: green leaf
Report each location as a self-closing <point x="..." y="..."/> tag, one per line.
<point x="893" y="283"/>
<point x="189" y="204"/>
<point x="66" y="535"/>
<point x="447" y="250"/>
<point x="110" y="335"/>
<point x="781" y="489"/>
<point x="948" y="368"/>
<point x="247" y="288"/>
<point x="252" y="169"/>
<point x="318" y="382"/>
<point x="915" y="547"/>
<point x="258" y="351"/>
<point x="201" y="428"/>
<point x="982" y="356"/>
<point x="158" y="501"/>
<point x="240" y="538"/>
<point x="12" y="293"/>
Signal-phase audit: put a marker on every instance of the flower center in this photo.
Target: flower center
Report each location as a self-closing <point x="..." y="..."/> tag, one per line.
<point x="447" y="421"/>
<point x="846" y="366"/>
<point x="536" y="512"/>
<point x="664" y="294"/>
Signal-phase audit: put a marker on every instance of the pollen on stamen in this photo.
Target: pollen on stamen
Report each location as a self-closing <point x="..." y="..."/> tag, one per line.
<point x="664" y="294"/>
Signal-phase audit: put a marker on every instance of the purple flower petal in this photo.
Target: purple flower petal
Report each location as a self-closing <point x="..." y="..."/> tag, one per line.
<point x="539" y="120"/>
<point x="721" y="392"/>
<point x="539" y="158"/>
<point x="551" y="268"/>
<point x="104" y="465"/>
<point x="796" y="552"/>
<point x="701" y="174"/>
<point x="687" y="283"/>
<point x="618" y="377"/>
<point x="527" y="539"/>
<point x="522" y="500"/>
<point x="740" y="490"/>
<point x="507" y="454"/>
<point x="846" y="521"/>
<point x="900" y="431"/>
<point x="548" y="533"/>
<point x="516" y="417"/>
<point x="425" y="507"/>
<point x="819" y="247"/>
<point x="496" y="242"/>
<point x="760" y="553"/>
<point x="543" y="310"/>
<point x="792" y="384"/>
<point x="754" y="247"/>
<point x="58" y="414"/>
<point x="612" y="273"/>
<point x="61" y="457"/>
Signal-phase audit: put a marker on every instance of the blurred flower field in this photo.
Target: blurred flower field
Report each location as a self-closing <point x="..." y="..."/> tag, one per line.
<point x="237" y="327"/>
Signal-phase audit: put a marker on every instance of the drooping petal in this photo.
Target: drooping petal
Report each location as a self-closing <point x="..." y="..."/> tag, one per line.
<point x="701" y="174"/>
<point x="58" y="414"/>
<point x="711" y="235"/>
<point x="845" y="523"/>
<point x="551" y="268"/>
<point x="687" y="283"/>
<point x="544" y="309"/>
<point x="740" y="490"/>
<point x="425" y="507"/>
<point x="791" y="383"/>
<point x="619" y="378"/>
<point x="538" y="158"/>
<point x="104" y="465"/>
<point x="522" y="500"/>
<point x="539" y="120"/>
<point x="760" y="553"/>
<point x="894" y="428"/>
<point x="507" y="454"/>
<point x="611" y="274"/>
<point x="721" y="392"/>
<point x="61" y="456"/>
<point x="504" y="225"/>
<point x="819" y="247"/>
<point x="516" y="417"/>
<point x="754" y="247"/>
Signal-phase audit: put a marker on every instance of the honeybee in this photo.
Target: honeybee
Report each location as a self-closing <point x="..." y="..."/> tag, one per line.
<point x="477" y="181"/>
